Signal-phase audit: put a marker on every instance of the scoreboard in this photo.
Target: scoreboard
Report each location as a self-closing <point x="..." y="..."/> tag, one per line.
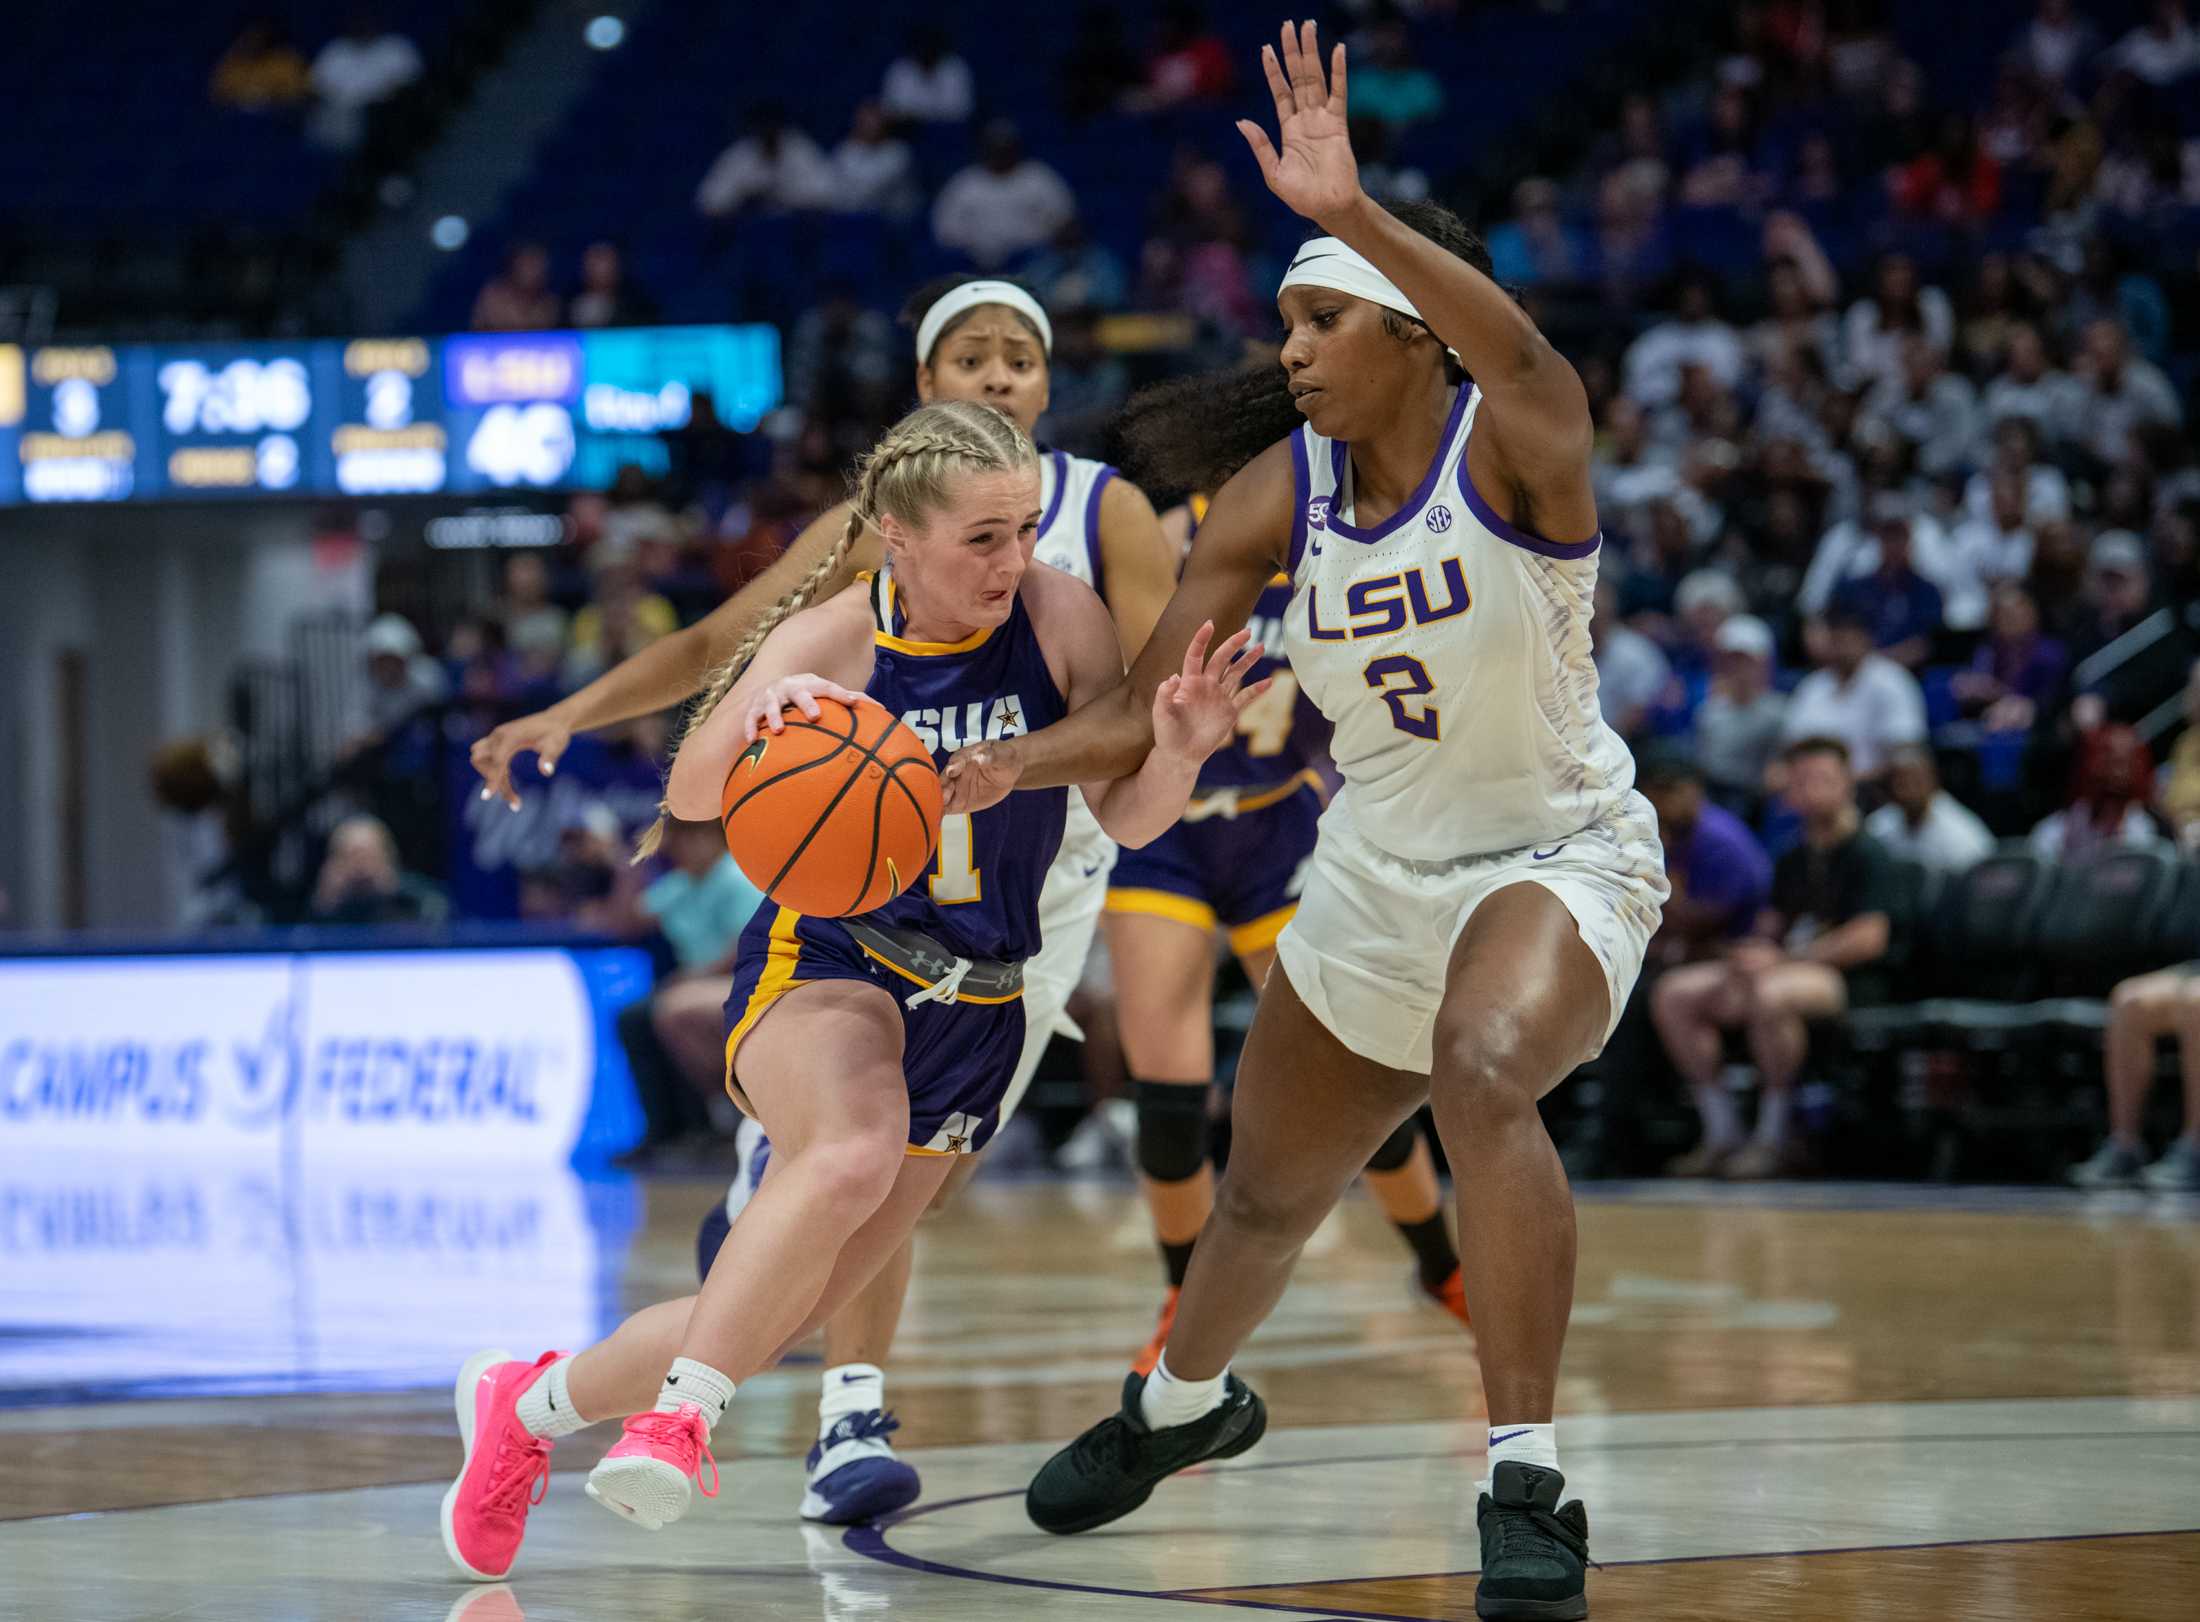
<point x="365" y="416"/>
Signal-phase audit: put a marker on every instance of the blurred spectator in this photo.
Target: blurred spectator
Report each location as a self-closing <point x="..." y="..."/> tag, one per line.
<point x="1630" y="472"/>
<point x="1985" y="553"/>
<point x="2108" y="800"/>
<point x="2180" y="794"/>
<point x="2025" y="386"/>
<point x="401" y="678"/>
<point x="1195" y="261"/>
<point x="1637" y="154"/>
<point x="1380" y="177"/>
<point x="1003" y="203"/>
<point x="1718" y="163"/>
<point x="1702" y="604"/>
<point x="1873" y="330"/>
<point x="772" y="166"/>
<point x="2016" y="440"/>
<point x="706" y="458"/>
<point x="1720" y="874"/>
<point x="589" y="885"/>
<point x="1085" y="385"/>
<point x="1901" y="608"/>
<point x="2161" y="50"/>
<point x="2016" y="672"/>
<point x="1189" y="63"/>
<point x="674" y="1037"/>
<point x="1933" y="408"/>
<point x="261" y="70"/>
<point x="1990" y="312"/>
<point x="1863" y="699"/>
<point x="607" y="298"/>
<point x="1631" y="249"/>
<point x="842" y="359"/>
<point x="1631" y="672"/>
<point x="361" y="882"/>
<point x="621" y="618"/>
<point x="1075" y="272"/>
<point x="1739" y="724"/>
<point x="534" y="626"/>
<point x="1955" y="183"/>
<point x="1537" y="245"/>
<point x="928" y="83"/>
<point x="518" y="299"/>
<point x="1100" y="64"/>
<point x="2129" y="654"/>
<point x="362" y="67"/>
<point x="2141" y="1011"/>
<point x="2115" y="394"/>
<point x="1802" y="288"/>
<point x="2056" y="40"/>
<point x="1819" y="952"/>
<point x="1922" y="822"/>
<point x="873" y="172"/>
<point x="1694" y="336"/>
<point x="1852" y="550"/>
<point x="1388" y="85"/>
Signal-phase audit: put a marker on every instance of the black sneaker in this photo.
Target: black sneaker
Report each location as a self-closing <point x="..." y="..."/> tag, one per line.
<point x="1115" y="1466"/>
<point x="1533" y="1551"/>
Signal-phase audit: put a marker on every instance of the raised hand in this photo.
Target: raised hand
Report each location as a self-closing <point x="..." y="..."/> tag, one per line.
<point x="1195" y="712"/>
<point x="766" y="709"/>
<point x="1315" y="172"/>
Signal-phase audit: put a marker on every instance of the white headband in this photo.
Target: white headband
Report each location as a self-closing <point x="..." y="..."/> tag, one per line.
<point x="968" y="297"/>
<point x="1328" y="262"/>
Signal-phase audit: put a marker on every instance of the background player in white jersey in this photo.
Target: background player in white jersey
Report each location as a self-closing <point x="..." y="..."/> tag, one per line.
<point x="987" y="341"/>
<point x="1484" y="886"/>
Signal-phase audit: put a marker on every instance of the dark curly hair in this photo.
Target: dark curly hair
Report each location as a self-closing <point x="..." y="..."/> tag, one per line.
<point x="920" y="302"/>
<point x="1193" y="433"/>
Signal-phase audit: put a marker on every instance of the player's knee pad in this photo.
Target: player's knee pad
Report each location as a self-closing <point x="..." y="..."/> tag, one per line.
<point x="1172" y="1129"/>
<point x="1397" y="1149"/>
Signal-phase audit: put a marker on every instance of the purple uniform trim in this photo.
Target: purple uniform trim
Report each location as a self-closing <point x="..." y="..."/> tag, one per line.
<point x="1413" y="504"/>
<point x="1093" y="549"/>
<point x="1519" y="537"/>
<point x="1061" y="485"/>
<point x="1301" y="493"/>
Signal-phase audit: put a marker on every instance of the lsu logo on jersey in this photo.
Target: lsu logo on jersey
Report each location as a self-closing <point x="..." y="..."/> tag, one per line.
<point x="1386" y="603"/>
<point x="949" y="728"/>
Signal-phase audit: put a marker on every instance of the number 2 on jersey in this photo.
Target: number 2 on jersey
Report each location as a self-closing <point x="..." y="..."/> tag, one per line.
<point x="1399" y="677"/>
<point x="957" y="877"/>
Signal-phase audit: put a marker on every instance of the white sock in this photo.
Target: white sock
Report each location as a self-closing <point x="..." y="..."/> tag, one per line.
<point x="1168" y="1400"/>
<point x="1520" y="1444"/>
<point x="1772" y="1117"/>
<point x="1722" y="1126"/>
<point x="852" y="1388"/>
<point x="545" y="1409"/>
<point x="698" y="1383"/>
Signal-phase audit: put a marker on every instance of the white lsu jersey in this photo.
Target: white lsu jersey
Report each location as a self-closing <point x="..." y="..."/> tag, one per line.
<point x="1451" y="652"/>
<point x="1069" y="539"/>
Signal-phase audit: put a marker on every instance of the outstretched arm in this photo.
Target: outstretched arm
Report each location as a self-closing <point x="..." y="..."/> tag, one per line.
<point x="1534" y="460"/>
<point x="1238" y="550"/>
<point x="672" y="668"/>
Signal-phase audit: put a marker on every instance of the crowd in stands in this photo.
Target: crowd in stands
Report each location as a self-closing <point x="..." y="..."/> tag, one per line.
<point x="334" y="95"/>
<point x="1901" y="507"/>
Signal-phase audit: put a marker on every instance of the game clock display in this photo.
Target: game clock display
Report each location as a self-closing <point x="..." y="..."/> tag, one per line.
<point x="365" y="416"/>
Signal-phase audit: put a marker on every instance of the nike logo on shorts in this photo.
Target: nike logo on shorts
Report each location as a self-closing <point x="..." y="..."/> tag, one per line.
<point x="1545" y="855"/>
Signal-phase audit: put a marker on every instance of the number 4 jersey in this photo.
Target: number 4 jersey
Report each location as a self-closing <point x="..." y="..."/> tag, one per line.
<point x="1451" y="653"/>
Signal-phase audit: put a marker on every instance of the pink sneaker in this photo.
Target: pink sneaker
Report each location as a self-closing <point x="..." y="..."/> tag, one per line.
<point x="506" y="1472"/>
<point x="645" y="1476"/>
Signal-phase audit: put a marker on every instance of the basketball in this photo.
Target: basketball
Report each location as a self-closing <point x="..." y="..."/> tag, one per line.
<point x="834" y="816"/>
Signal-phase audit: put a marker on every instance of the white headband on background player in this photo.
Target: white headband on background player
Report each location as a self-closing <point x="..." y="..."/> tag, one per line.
<point x="969" y="296"/>
<point x="1328" y="262"/>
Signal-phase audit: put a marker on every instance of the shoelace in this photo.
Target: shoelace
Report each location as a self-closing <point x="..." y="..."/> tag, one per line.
<point x="863" y="1427"/>
<point x="947" y="989"/>
<point x="1520" y="1522"/>
<point x="519" y="1475"/>
<point x="677" y="1430"/>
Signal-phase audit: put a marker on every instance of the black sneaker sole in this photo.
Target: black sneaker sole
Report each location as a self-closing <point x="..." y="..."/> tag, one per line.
<point x="1573" y="1608"/>
<point x="1229" y="1450"/>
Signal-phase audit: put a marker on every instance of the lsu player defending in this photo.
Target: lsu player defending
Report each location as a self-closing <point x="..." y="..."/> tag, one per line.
<point x="1486" y="882"/>
<point x="870" y="1091"/>
<point x="988" y="341"/>
<point x="1234" y="864"/>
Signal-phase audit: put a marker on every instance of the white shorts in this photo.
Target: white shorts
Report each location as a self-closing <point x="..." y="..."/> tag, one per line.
<point x="1070" y="904"/>
<point x="1368" y="949"/>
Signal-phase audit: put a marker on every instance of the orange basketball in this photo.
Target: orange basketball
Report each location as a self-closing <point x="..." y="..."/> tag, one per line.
<point x="833" y="816"/>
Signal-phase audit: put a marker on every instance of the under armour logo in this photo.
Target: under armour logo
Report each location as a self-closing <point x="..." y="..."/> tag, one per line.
<point x="925" y="963"/>
<point x="1439" y="519"/>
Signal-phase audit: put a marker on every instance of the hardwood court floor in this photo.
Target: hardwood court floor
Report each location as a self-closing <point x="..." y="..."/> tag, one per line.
<point x="1821" y="1403"/>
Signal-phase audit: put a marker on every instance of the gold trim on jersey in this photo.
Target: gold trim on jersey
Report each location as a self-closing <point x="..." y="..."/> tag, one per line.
<point x="782" y="957"/>
<point x="901" y="644"/>
<point x="1181" y="909"/>
<point x="918" y="979"/>
<point x="1261" y="933"/>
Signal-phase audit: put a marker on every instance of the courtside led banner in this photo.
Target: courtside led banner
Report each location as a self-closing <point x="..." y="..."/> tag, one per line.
<point x="495" y="1056"/>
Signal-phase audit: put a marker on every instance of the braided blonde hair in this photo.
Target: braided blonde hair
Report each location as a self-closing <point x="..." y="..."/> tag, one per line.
<point x="905" y="475"/>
